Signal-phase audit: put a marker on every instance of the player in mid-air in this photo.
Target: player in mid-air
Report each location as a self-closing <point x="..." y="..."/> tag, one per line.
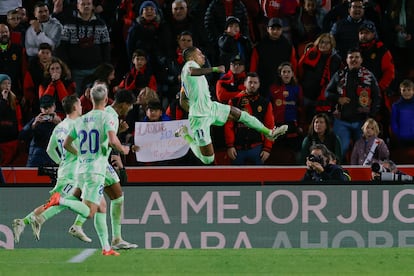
<point x="203" y="112"/>
<point x="95" y="132"/>
<point x="65" y="183"/>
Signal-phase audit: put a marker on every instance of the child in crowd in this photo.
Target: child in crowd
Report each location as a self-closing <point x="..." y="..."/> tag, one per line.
<point x="369" y="148"/>
<point x="402" y="114"/>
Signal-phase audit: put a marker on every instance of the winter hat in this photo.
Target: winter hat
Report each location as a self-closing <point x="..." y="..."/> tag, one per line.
<point x="146" y="4"/>
<point x="4" y="77"/>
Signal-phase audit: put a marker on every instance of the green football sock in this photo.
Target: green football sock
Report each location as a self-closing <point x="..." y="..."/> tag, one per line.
<point x="253" y="122"/>
<point x="28" y="219"/>
<point x="80" y="220"/>
<point x="102" y="229"/>
<point x="116" y="209"/>
<point x="76" y="206"/>
<point x="52" y="211"/>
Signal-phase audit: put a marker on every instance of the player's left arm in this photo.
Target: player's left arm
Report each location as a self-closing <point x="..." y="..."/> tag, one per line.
<point x="194" y="71"/>
<point x="116" y="144"/>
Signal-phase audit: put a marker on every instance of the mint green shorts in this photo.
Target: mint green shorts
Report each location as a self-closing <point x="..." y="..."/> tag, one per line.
<point x="65" y="186"/>
<point x="111" y="177"/>
<point x="92" y="186"/>
<point x="200" y="125"/>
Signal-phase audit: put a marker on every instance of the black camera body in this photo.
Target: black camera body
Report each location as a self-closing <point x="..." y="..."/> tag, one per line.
<point x="314" y="158"/>
<point x="378" y="168"/>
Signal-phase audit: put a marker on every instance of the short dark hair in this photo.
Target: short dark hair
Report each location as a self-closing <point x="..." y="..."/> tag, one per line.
<point x="124" y="96"/>
<point x="188" y="52"/>
<point x="252" y="75"/>
<point x="139" y="53"/>
<point x="68" y="102"/>
<point x="322" y="148"/>
<point x="353" y="50"/>
<point x="39" y="4"/>
<point x="45" y="46"/>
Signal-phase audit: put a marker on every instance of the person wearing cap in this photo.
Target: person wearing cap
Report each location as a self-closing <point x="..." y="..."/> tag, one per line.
<point x="10" y="122"/>
<point x="150" y="33"/>
<point x="38" y="130"/>
<point x="232" y="82"/>
<point x="85" y="43"/>
<point x="269" y="53"/>
<point x="232" y="42"/>
<point x="245" y="145"/>
<point x="215" y="20"/>
<point x="379" y="60"/>
<point x="346" y="30"/>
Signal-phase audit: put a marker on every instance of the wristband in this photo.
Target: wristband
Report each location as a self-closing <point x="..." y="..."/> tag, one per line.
<point x="215" y="69"/>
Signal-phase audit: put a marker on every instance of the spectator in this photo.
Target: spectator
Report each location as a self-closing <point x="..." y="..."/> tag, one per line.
<point x="378" y="59"/>
<point x="307" y="24"/>
<point x="287" y="101"/>
<point x="215" y="21"/>
<point x="355" y="92"/>
<point x="8" y="5"/>
<point x="402" y="115"/>
<point x="270" y="53"/>
<point x="316" y="68"/>
<point x="104" y="73"/>
<point x="369" y="148"/>
<point x="140" y="76"/>
<point x="233" y="43"/>
<point x="245" y="145"/>
<point x="34" y="76"/>
<point x="12" y="60"/>
<point x="180" y="21"/>
<point x="38" y="131"/>
<point x="386" y="170"/>
<point x="150" y="33"/>
<point x="43" y="29"/>
<point x="154" y="112"/>
<point x="10" y="122"/>
<point x="319" y="169"/>
<point x="85" y="43"/>
<point x="17" y="30"/>
<point x="400" y="18"/>
<point x="333" y="159"/>
<point x="233" y="81"/>
<point x="58" y="84"/>
<point x="320" y="132"/>
<point x="346" y="30"/>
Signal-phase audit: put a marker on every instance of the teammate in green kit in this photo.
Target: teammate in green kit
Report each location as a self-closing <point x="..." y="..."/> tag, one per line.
<point x="65" y="184"/>
<point x="124" y="100"/>
<point x="203" y="112"/>
<point x="95" y="131"/>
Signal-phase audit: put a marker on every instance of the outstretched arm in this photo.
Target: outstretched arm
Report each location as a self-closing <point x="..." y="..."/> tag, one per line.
<point x="204" y="71"/>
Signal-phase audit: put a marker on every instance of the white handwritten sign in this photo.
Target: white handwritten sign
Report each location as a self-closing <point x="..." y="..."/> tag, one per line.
<point x="157" y="141"/>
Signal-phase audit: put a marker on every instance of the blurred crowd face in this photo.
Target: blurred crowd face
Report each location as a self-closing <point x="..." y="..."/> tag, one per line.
<point x="319" y="126"/>
<point x="4" y="34"/>
<point x="356" y="10"/>
<point x="325" y="45"/>
<point x="13" y="20"/>
<point x="185" y="41"/>
<point x="365" y="36"/>
<point x="237" y="67"/>
<point x="42" y="13"/>
<point x="179" y="10"/>
<point x="85" y="7"/>
<point x="252" y="85"/>
<point x="354" y="60"/>
<point x="309" y="6"/>
<point x="407" y="92"/>
<point x="286" y="73"/>
<point x="149" y="13"/>
<point x="139" y="62"/>
<point x="45" y="56"/>
<point x="274" y="32"/>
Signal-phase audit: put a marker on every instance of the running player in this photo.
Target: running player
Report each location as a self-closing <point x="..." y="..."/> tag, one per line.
<point x="203" y="112"/>
<point x="95" y="132"/>
<point x="124" y="99"/>
<point x="65" y="183"/>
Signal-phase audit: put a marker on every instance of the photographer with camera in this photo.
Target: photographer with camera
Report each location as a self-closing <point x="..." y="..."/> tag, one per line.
<point x="38" y="131"/>
<point x="387" y="170"/>
<point x="319" y="168"/>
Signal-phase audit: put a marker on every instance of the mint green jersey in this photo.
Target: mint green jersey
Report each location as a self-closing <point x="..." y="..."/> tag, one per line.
<point x="197" y="91"/>
<point x="65" y="159"/>
<point x="114" y="116"/>
<point x="92" y="132"/>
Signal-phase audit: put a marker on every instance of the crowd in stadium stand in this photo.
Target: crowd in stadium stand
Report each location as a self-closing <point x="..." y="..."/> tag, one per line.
<point x="337" y="72"/>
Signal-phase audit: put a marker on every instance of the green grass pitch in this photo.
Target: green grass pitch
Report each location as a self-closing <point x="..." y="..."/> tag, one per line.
<point x="344" y="261"/>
